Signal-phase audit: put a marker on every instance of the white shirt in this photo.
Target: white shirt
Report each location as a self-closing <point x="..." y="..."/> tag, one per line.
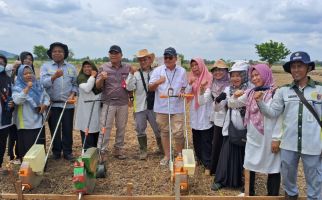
<point x="83" y="110"/>
<point x="175" y="79"/>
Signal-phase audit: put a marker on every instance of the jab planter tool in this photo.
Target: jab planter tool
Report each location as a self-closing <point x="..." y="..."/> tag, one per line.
<point x="85" y="166"/>
<point x="34" y="162"/>
<point x="179" y="172"/>
<point x="32" y="167"/>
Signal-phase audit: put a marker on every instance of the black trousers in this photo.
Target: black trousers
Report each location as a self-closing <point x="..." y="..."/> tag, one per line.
<point x="202" y="143"/>
<point x="13" y="143"/>
<point x="217" y="141"/>
<point x="273" y="184"/>
<point x="3" y="142"/>
<point x="91" y="139"/>
<point x="63" y="141"/>
<point x="26" y="138"/>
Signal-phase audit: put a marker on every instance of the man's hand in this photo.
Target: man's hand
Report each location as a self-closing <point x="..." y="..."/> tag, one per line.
<point x="275" y="146"/>
<point x="43" y="107"/>
<point x="132" y="70"/>
<point x="103" y="76"/>
<point x="57" y="74"/>
<point x="161" y="80"/>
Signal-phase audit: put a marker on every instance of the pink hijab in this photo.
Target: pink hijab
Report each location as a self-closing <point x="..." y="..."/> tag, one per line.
<point x="205" y="76"/>
<point x="253" y="113"/>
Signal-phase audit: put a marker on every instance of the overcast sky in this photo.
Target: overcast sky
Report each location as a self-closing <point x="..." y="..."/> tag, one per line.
<point x="211" y="29"/>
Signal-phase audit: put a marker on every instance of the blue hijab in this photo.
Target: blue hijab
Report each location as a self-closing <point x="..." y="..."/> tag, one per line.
<point x="36" y="90"/>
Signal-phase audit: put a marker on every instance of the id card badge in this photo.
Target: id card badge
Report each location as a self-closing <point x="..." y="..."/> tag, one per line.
<point x="170" y="92"/>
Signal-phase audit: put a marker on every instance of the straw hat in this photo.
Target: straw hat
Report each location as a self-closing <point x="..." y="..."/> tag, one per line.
<point x="219" y="64"/>
<point x="144" y="53"/>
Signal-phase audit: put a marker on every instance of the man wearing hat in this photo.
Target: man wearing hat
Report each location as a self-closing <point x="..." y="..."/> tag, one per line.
<point x="302" y="132"/>
<point x="59" y="79"/>
<point x="169" y="79"/>
<point x="112" y="79"/>
<point x="143" y="101"/>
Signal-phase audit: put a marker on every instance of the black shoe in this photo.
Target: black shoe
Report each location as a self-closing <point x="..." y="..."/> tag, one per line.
<point x="69" y="157"/>
<point x="55" y="156"/>
<point x="216" y="186"/>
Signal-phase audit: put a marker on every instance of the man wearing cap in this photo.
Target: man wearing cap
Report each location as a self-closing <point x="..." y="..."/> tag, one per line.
<point x="143" y="101"/>
<point x="112" y="79"/>
<point x="59" y="79"/>
<point x="302" y="132"/>
<point x="169" y="79"/>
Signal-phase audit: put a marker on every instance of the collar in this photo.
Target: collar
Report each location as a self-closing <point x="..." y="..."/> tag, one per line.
<point x="310" y="83"/>
<point x="54" y="63"/>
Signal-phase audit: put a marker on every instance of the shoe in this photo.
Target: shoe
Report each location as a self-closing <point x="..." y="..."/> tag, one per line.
<point x="241" y="195"/>
<point x="164" y="162"/>
<point x="55" y="156"/>
<point x="216" y="186"/>
<point x="69" y="157"/>
<point x="15" y="161"/>
<point x="118" y="153"/>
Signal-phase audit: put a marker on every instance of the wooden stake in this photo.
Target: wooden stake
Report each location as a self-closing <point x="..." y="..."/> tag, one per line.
<point x="246" y="174"/>
<point x="18" y="187"/>
<point x="129" y="190"/>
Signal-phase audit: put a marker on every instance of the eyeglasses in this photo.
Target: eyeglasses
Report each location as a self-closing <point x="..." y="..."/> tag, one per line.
<point x="168" y="57"/>
<point x="142" y="59"/>
<point x="114" y="52"/>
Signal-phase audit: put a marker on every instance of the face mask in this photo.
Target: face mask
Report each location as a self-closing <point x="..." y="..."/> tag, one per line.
<point x="1" y="68"/>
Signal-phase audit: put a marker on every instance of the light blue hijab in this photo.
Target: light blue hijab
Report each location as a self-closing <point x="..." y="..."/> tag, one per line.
<point x="36" y="90"/>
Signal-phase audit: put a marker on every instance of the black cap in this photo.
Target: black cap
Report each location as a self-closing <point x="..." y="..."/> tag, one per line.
<point x="170" y="51"/>
<point x="55" y="44"/>
<point x="115" y="48"/>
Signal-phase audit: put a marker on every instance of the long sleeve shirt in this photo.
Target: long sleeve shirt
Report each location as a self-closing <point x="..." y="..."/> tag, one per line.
<point x="25" y="115"/>
<point x="301" y="132"/>
<point x="61" y="88"/>
<point x="134" y="83"/>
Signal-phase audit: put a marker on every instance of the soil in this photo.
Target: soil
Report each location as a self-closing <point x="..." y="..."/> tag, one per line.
<point x="147" y="177"/>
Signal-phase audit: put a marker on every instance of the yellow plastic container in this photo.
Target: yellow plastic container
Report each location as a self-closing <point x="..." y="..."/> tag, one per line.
<point x="189" y="162"/>
<point x="36" y="158"/>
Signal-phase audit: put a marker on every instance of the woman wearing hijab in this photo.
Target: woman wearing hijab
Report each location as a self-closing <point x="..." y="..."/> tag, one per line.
<point x="84" y="113"/>
<point x="230" y="165"/>
<point x="25" y="58"/>
<point x="263" y="133"/>
<point x="219" y="83"/>
<point x="32" y="101"/>
<point x="200" y="115"/>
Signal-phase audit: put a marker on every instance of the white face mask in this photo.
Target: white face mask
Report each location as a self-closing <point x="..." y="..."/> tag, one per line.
<point x="2" y="68"/>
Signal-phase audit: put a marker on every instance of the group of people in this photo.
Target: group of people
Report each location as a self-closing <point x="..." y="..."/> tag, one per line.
<point x="239" y="118"/>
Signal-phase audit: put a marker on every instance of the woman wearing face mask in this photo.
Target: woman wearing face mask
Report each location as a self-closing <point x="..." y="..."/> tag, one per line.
<point x="230" y="165"/>
<point x="200" y="115"/>
<point x="88" y="91"/>
<point x="6" y="108"/>
<point x="32" y="101"/>
<point x="263" y="133"/>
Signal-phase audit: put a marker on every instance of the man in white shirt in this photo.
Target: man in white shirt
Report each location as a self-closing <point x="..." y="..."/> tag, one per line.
<point x="165" y="78"/>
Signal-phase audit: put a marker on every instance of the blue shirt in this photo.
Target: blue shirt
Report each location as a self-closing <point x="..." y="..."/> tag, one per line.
<point x="61" y="88"/>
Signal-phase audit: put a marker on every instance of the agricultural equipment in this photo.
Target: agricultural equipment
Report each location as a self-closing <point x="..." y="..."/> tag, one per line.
<point x="85" y="166"/>
<point x="184" y="163"/>
<point x="34" y="162"/>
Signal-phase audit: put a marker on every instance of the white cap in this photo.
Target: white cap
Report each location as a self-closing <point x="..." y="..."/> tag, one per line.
<point x="239" y="66"/>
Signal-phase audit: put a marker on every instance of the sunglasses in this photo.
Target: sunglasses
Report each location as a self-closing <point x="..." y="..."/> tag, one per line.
<point x="168" y="57"/>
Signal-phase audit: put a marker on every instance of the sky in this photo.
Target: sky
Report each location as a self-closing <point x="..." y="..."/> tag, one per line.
<point x="210" y="29"/>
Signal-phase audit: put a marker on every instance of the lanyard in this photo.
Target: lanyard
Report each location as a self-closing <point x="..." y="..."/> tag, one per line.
<point x="170" y="82"/>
